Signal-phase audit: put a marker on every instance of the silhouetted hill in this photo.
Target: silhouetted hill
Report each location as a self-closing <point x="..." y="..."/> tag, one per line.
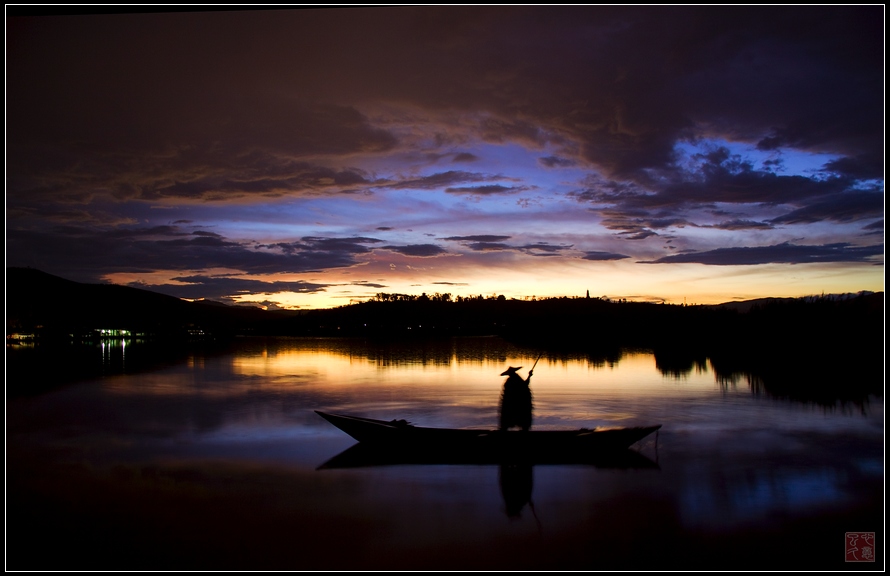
<point x="36" y="301"/>
<point x="820" y="348"/>
<point x="586" y="321"/>
<point x="50" y="306"/>
<point x="747" y="305"/>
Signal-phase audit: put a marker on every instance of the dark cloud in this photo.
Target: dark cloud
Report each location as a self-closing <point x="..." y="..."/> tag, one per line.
<point x="352" y="245"/>
<point x="489" y="246"/>
<point x="638" y="234"/>
<point x="769" y="143"/>
<point x="556" y="162"/>
<point x="713" y="66"/>
<point x="203" y="241"/>
<point x="742" y="225"/>
<point x="226" y="289"/>
<point x="295" y="180"/>
<point x="847" y="206"/>
<point x="247" y="148"/>
<point x="494" y="242"/>
<point x="109" y="115"/>
<point x="637" y="211"/>
<point x="86" y="255"/>
<point x="441" y="180"/>
<point x="538" y="249"/>
<point x="622" y="83"/>
<point x="598" y="256"/>
<point x="478" y="238"/>
<point x="543" y="247"/>
<point x="451" y="283"/>
<point x="632" y="104"/>
<point x="785" y="253"/>
<point x="861" y="167"/>
<point x="501" y="129"/>
<point x="153" y="231"/>
<point x="724" y="177"/>
<point x="487" y="189"/>
<point x="25" y="212"/>
<point x="420" y="250"/>
<point x="636" y="224"/>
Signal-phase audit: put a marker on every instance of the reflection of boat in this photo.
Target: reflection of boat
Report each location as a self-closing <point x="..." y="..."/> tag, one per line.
<point x="397" y="441"/>
<point x="365" y="454"/>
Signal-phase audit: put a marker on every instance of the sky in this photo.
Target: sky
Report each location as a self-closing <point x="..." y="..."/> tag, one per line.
<point x="311" y="158"/>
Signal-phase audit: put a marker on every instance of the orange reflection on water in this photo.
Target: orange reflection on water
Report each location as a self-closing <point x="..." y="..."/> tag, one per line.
<point x="283" y="363"/>
<point x="454" y="383"/>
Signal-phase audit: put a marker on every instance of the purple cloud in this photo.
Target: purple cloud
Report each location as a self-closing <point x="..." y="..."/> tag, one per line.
<point x="785" y="253"/>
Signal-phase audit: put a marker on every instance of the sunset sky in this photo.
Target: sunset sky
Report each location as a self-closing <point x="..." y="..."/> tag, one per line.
<point x="306" y="158"/>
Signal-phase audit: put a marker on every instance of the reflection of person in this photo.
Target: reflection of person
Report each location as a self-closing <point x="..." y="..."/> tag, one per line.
<point x="516" y="487"/>
<point x="516" y="400"/>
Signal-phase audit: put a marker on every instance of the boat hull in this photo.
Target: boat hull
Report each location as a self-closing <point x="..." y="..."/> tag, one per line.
<point x="486" y="443"/>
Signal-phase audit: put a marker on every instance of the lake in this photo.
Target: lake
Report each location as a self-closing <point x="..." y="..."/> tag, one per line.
<point x="214" y="461"/>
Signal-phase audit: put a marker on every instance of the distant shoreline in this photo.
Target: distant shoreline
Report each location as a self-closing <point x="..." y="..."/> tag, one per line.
<point x="817" y="348"/>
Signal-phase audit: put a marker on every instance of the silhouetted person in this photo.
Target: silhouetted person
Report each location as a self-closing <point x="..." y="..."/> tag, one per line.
<point x="516" y="401"/>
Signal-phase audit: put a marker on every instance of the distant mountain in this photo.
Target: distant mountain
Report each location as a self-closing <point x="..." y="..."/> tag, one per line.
<point x="747" y="305"/>
<point x="40" y="303"/>
<point x="818" y="348"/>
<point x="52" y="306"/>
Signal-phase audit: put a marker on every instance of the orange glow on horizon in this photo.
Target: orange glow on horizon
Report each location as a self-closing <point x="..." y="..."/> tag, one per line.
<point x="550" y="278"/>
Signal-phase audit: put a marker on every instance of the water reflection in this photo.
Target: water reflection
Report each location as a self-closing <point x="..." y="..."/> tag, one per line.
<point x="366" y="455"/>
<point x="823" y="381"/>
<point x="680" y="363"/>
<point x="208" y="459"/>
<point x="515" y="475"/>
<point x="516" y="482"/>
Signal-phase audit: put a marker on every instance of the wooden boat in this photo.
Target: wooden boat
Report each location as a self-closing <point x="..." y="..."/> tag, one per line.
<point x="409" y="442"/>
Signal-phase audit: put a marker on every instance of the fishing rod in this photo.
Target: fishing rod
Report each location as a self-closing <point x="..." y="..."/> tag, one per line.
<point x="535" y="364"/>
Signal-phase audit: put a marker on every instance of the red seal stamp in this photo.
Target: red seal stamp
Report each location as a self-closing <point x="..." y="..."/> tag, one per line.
<point x="860" y="547"/>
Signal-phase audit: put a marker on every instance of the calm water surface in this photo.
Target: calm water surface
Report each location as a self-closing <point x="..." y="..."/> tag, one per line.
<point x="213" y="463"/>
